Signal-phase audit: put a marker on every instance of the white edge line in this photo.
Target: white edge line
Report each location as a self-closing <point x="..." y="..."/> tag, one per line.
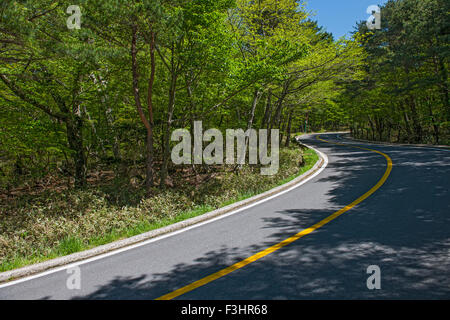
<point x="143" y="243"/>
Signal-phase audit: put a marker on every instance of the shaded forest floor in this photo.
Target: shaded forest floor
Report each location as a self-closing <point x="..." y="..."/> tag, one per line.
<point x="50" y="220"/>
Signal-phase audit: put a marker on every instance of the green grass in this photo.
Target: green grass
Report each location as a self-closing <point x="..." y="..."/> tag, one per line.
<point x="39" y="228"/>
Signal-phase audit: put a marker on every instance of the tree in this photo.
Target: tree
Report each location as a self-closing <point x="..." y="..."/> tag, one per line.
<point x="47" y="67"/>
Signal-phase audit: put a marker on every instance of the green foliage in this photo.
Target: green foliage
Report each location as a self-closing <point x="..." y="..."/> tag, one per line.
<point x="404" y="94"/>
<point x="68" y="96"/>
<point x="39" y="227"/>
<point x="92" y="109"/>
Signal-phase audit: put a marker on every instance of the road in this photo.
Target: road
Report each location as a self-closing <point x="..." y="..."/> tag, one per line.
<point x="403" y="227"/>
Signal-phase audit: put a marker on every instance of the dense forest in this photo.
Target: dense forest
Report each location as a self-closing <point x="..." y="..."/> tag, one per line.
<point x="403" y="96"/>
<point x="110" y="93"/>
<point x="107" y="95"/>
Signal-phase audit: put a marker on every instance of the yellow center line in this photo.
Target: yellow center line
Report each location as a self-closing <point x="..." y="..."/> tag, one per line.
<point x="289" y="240"/>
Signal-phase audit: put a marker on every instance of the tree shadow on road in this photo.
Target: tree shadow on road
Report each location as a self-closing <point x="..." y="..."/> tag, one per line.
<point x="403" y="228"/>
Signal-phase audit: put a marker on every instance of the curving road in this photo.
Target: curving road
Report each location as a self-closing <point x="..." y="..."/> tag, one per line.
<point x="404" y="228"/>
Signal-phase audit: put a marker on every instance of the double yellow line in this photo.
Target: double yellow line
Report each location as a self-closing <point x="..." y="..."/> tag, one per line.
<point x="289" y="240"/>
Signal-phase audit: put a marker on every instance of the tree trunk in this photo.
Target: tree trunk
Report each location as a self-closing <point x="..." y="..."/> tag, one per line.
<point x="441" y="72"/>
<point x="407" y="126"/>
<point x="74" y="129"/>
<point x="288" y="139"/>
<point x="166" y="138"/>
<point x="149" y="140"/>
<point x="433" y="122"/>
<point x="268" y="110"/>
<point x="282" y="128"/>
<point x="277" y="118"/>
<point x="148" y="123"/>
<point x="256" y="97"/>
<point x="415" y="118"/>
<point x="112" y="133"/>
<point x="380" y="127"/>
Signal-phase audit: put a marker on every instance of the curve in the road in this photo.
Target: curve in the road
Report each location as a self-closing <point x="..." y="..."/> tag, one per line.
<point x="303" y="179"/>
<point x="289" y="240"/>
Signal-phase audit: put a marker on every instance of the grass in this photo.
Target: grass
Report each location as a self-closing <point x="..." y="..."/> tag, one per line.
<point x="35" y="228"/>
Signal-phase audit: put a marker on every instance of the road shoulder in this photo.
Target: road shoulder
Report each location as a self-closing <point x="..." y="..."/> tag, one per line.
<point x="99" y="252"/>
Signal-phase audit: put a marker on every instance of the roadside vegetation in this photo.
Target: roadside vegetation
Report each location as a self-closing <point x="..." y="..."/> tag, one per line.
<point x="87" y="114"/>
<point x="52" y="223"/>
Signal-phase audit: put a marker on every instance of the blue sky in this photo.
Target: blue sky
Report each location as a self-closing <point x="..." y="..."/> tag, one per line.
<point x="340" y="16"/>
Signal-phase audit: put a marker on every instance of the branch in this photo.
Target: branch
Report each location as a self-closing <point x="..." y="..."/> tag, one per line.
<point x="162" y="57"/>
<point x="43" y="13"/>
<point x="25" y="97"/>
<point x="137" y="96"/>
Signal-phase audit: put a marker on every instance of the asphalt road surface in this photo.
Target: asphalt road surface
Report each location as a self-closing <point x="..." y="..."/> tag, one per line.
<point x="403" y="228"/>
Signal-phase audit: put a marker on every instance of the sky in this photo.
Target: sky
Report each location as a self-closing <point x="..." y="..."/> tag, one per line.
<point x="340" y="16"/>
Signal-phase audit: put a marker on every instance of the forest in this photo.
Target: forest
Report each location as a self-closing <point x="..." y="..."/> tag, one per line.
<point x="113" y="90"/>
<point x="87" y="112"/>
<point x="403" y="96"/>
